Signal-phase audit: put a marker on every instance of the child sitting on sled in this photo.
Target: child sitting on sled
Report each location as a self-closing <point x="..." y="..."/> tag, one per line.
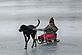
<point x="50" y="31"/>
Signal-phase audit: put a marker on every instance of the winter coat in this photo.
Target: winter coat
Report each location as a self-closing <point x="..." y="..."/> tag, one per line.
<point x="51" y="29"/>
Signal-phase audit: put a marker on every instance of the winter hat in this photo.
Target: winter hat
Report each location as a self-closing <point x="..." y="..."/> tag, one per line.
<point x="51" y="20"/>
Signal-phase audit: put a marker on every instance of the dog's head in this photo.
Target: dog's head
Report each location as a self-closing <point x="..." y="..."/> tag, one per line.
<point x="22" y="28"/>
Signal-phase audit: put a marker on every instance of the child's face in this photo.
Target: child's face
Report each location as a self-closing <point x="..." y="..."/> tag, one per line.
<point x="51" y="23"/>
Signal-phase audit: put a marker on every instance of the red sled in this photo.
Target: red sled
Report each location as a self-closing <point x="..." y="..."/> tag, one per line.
<point x="47" y="37"/>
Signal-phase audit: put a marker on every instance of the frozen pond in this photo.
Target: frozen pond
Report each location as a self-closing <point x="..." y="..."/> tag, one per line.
<point x="12" y="42"/>
<point x="67" y="15"/>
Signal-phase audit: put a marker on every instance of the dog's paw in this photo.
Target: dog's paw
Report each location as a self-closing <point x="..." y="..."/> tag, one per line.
<point x="31" y="46"/>
<point x="25" y="48"/>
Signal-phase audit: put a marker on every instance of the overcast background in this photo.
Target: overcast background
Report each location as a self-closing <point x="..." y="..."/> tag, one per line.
<point x="68" y="18"/>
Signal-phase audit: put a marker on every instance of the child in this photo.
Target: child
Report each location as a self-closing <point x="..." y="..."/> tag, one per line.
<point x="50" y="31"/>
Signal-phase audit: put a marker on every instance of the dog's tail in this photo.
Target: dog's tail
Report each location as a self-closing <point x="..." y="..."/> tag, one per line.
<point x="38" y="23"/>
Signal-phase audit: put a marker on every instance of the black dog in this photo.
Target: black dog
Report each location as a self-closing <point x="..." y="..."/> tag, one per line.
<point x="27" y="31"/>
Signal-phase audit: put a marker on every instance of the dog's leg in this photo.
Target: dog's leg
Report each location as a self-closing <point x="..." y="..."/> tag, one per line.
<point x="34" y="40"/>
<point x="25" y="42"/>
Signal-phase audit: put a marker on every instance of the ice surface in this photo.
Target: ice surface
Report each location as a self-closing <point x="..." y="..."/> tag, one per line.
<point x="68" y="18"/>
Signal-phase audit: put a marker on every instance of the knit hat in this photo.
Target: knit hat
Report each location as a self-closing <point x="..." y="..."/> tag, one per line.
<point x="51" y="20"/>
